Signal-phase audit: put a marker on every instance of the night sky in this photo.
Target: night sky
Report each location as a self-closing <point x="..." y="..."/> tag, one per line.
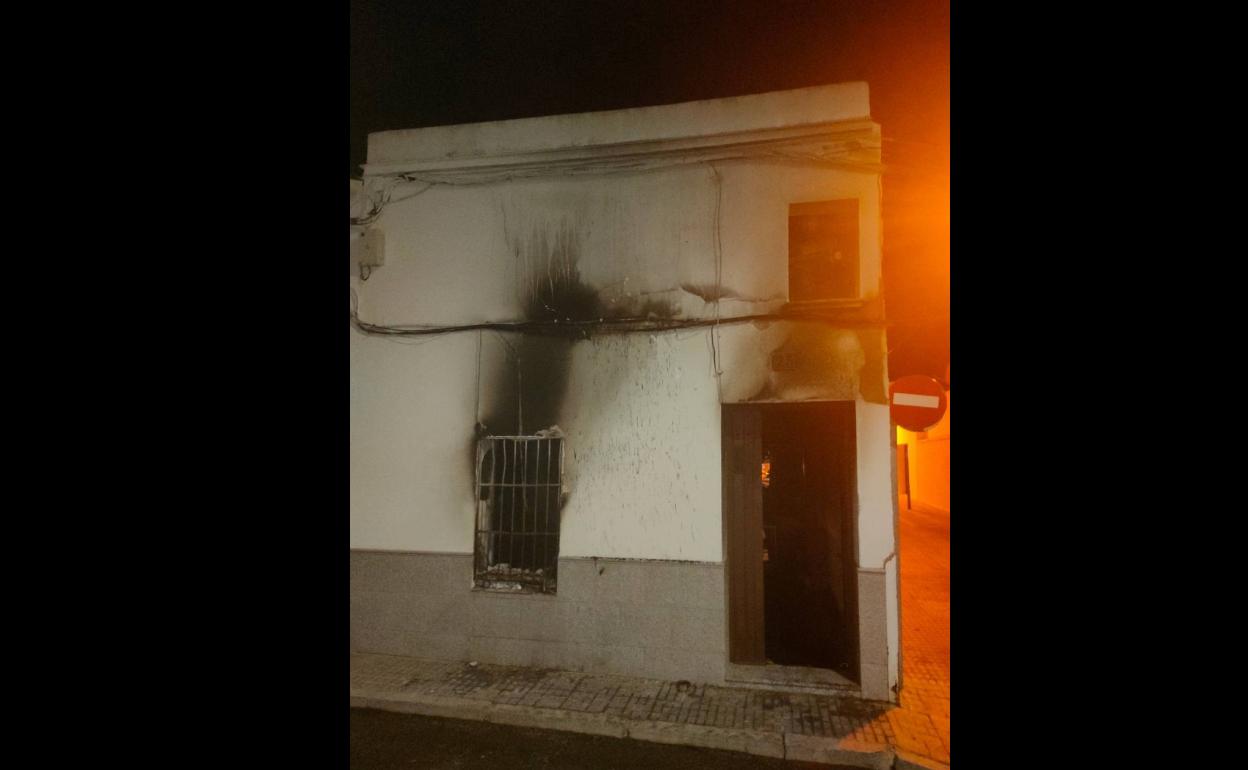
<point x="416" y="64"/>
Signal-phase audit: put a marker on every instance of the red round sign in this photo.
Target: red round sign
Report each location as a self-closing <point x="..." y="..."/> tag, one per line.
<point x="917" y="402"/>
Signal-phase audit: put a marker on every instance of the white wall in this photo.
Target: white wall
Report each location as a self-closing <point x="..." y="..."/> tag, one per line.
<point x="875" y="485"/>
<point x="640" y="411"/>
<point x="642" y="423"/>
<point x="411" y="443"/>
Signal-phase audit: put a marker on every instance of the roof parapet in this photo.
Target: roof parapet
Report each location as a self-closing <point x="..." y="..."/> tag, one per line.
<point x="634" y="130"/>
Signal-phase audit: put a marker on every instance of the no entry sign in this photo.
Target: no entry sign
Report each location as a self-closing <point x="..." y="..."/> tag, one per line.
<point x="917" y="402"/>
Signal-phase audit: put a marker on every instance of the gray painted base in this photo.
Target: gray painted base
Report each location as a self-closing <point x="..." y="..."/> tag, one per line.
<point x="873" y="635"/>
<point x="656" y="619"/>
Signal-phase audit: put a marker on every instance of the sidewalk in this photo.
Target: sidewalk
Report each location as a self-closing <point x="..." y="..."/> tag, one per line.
<point x="925" y="626"/>
<point x="809" y="727"/>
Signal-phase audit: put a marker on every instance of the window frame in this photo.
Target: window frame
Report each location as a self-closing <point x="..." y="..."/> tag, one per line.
<point x="809" y="208"/>
<point x="498" y="491"/>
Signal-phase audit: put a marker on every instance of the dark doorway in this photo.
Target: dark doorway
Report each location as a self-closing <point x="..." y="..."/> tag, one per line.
<point x="790" y="478"/>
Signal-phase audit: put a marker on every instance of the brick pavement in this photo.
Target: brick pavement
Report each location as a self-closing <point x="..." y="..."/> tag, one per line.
<point x="922" y="723"/>
<point x="836" y="723"/>
<point x="627" y="697"/>
<point x="919" y="726"/>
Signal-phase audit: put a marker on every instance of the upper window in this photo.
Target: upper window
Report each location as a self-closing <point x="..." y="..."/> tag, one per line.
<point x="519" y="495"/>
<point x="823" y="250"/>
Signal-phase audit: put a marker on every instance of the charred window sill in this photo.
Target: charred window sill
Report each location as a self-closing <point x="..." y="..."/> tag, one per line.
<point x="514" y="591"/>
<point x="859" y="309"/>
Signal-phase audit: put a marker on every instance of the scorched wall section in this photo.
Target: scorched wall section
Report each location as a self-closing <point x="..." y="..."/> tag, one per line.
<point x="640" y="410"/>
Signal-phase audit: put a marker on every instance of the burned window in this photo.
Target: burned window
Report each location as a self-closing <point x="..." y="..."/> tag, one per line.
<point x="519" y="494"/>
<point x="823" y="250"/>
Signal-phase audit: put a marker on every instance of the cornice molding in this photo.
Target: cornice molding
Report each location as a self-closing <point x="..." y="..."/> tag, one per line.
<point x="845" y="143"/>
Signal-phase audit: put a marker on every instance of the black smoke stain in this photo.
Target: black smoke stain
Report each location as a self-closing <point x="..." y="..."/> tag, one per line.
<point x="873" y="384"/>
<point x="529" y="393"/>
<point x="530" y="389"/>
<point x="811" y="361"/>
<point x="553" y="289"/>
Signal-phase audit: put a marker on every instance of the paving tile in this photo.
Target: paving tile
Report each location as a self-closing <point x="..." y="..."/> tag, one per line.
<point x="920" y="725"/>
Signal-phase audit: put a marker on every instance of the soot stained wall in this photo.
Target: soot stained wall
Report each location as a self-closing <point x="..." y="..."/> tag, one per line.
<point x="640" y="412"/>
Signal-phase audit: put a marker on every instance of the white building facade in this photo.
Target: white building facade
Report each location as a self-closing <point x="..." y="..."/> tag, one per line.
<point x="619" y="394"/>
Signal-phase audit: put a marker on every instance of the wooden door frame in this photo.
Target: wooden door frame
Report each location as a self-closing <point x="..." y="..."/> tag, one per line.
<point x="746" y="623"/>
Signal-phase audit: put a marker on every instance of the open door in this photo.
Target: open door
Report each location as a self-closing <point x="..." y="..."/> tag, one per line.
<point x="790" y="518"/>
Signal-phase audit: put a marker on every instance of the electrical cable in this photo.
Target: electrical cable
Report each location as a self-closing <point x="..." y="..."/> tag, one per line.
<point x="467" y="177"/>
<point x="842" y="158"/>
<point x="719" y="272"/>
<point x="375" y="209"/>
<point x="623" y="325"/>
<point x="585" y="328"/>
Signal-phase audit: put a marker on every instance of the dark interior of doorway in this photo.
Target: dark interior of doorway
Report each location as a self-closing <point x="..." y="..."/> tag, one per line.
<point x="809" y="567"/>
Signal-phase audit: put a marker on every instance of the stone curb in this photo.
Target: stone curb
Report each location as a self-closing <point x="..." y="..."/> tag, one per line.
<point x="809" y="748"/>
<point x="908" y="761"/>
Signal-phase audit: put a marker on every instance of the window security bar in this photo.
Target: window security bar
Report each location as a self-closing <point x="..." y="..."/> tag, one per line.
<point x="519" y="493"/>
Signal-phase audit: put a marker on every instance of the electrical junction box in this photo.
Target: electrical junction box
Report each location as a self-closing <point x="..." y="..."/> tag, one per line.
<point x="370" y="248"/>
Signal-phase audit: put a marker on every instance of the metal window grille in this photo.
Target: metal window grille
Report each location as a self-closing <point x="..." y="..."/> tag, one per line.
<point x="519" y="494"/>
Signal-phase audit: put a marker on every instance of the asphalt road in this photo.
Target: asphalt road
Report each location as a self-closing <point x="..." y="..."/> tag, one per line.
<point x="381" y="740"/>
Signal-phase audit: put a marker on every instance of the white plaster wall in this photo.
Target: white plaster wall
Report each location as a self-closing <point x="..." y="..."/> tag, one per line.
<point x="755" y="220"/>
<point x="447" y="260"/>
<point x="411" y="429"/>
<point x="876" y="540"/>
<point x="643" y="442"/>
<point x="641" y="411"/>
